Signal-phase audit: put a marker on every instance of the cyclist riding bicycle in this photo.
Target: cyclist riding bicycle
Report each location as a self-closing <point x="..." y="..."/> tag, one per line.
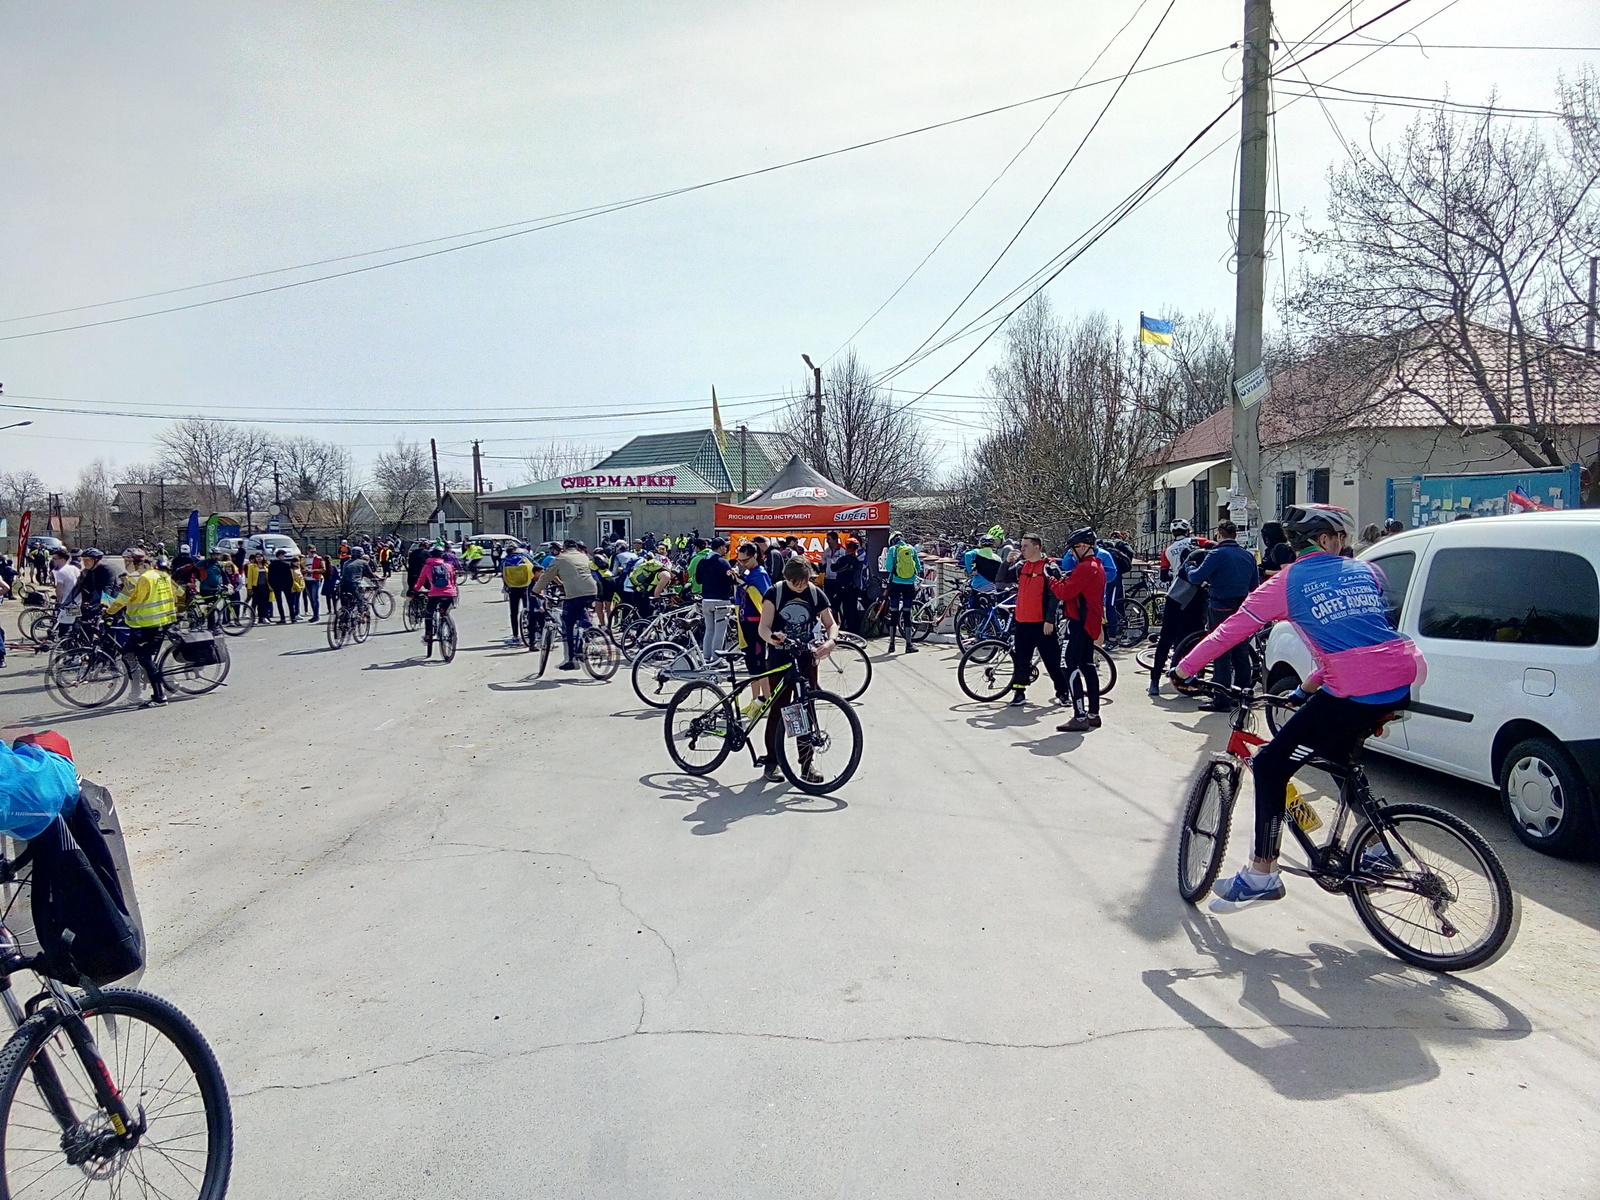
<point x="570" y="569"/>
<point x="1364" y="672"/>
<point x="351" y="573"/>
<point x="438" y="583"/>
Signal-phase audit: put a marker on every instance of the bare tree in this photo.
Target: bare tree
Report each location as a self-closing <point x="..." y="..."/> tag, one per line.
<point x="221" y="463"/>
<point x="20" y="491"/>
<point x="869" y="443"/>
<point x="1447" y="275"/>
<point x="308" y="468"/>
<point x="1069" y="430"/>
<point x="404" y="477"/>
<point x="91" y="500"/>
<point x="560" y="458"/>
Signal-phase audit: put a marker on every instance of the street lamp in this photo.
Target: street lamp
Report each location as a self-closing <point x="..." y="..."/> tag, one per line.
<point x="16" y="425"/>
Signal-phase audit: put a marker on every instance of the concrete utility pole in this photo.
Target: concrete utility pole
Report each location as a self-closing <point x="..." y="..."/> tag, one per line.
<point x="477" y="486"/>
<point x="816" y="408"/>
<point x="1249" y="298"/>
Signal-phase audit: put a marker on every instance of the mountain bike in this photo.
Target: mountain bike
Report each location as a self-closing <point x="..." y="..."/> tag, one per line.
<point x="378" y="598"/>
<point x="821" y="744"/>
<point x="1426" y="885"/>
<point x="221" y="612"/>
<point x="439" y="627"/>
<point x="986" y="667"/>
<point x="598" y="652"/>
<point x="350" y="620"/>
<point x="990" y="617"/>
<point x="416" y="608"/>
<point x="95" y="667"/>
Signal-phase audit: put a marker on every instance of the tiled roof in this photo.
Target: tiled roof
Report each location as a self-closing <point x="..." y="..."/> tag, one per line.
<point x="1313" y="398"/>
<point x="768" y="452"/>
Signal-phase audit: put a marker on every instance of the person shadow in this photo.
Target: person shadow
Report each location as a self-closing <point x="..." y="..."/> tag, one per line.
<point x="1335" y="1021"/>
<point x="718" y="807"/>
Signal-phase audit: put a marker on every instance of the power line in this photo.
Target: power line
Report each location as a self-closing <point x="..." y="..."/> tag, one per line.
<point x="517" y="229"/>
<point x="1034" y="211"/>
<point x="1390" y="100"/>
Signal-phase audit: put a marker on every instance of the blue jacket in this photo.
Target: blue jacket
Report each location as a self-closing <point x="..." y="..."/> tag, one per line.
<point x="1231" y="572"/>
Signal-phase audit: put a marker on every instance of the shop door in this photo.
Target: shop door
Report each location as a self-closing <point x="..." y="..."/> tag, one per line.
<point x="614" y="526"/>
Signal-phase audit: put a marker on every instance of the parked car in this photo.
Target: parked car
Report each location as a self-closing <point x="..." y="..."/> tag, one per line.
<point x="229" y="545"/>
<point x="41" y="541"/>
<point x="270" y="543"/>
<point x="1507" y="612"/>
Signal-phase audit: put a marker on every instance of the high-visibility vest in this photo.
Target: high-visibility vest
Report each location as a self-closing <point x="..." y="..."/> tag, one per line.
<point x="155" y="601"/>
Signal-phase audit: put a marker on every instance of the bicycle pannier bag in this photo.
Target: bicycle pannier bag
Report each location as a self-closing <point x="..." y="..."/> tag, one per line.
<point x="85" y="916"/>
<point x="197" y="648"/>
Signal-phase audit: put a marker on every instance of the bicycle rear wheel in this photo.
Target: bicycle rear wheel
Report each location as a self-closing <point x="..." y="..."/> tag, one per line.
<point x="87" y="676"/>
<point x="188" y="678"/>
<point x="413" y="613"/>
<point x="699" y="727"/>
<point x="826" y="756"/>
<point x="985" y="670"/>
<point x="1135" y="623"/>
<point x="651" y="683"/>
<point x="167" y="1076"/>
<point x="547" y="639"/>
<point x="923" y="619"/>
<point x="1203" y="837"/>
<point x="34" y="626"/>
<point x="599" y="654"/>
<point x="1440" y="897"/>
<point x="1179" y="653"/>
<point x="846" y="672"/>
<point x="447" y="637"/>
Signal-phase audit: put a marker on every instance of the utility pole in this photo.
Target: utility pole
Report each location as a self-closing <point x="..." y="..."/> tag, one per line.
<point x="744" y="462"/>
<point x="1588" y="330"/>
<point x="161" y="511"/>
<point x="277" y="498"/>
<point x="438" y="492"/>
<point x="477" y="486"/>
<point x="1249" y="297"/>
<point x="816" y="408"/>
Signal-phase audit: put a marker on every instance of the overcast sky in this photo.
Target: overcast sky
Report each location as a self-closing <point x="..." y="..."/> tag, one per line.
<point x="155" y="146"/>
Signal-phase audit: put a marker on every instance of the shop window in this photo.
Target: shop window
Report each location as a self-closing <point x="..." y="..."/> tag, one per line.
<point x="1288" y="492"/>
<point x="1535" y="597"/>
<point x="1202" y="503"/>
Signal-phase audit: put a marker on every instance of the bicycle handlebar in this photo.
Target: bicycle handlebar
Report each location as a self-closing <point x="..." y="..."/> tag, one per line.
<point x="1240" y="695"/>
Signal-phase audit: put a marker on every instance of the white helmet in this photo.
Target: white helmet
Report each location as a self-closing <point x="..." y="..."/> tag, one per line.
<point x="1312" y="519"/>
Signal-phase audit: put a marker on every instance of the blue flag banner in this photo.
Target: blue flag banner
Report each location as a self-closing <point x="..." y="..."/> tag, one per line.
<point x="191" y="535"/>
<point x="1154" y="332"/>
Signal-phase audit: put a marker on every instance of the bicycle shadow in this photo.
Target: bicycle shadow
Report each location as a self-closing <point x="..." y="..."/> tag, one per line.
<point x="1338" y="1021"/>
<point x="640" y="714"/>
<point x="307" y="650"/>
<point x="400" y="665"/>
<point x="717" y="807"/>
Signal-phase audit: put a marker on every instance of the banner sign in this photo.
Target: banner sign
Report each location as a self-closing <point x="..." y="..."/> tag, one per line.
<point x="22" y="531"/>
<point x="812" y="543"/>
<point x="1440" y="498"/>
<point x="1253" y="388"/>
<point x="797" y="517"/>
<point x="668" y="501"/>
<point x="570" y="483"/>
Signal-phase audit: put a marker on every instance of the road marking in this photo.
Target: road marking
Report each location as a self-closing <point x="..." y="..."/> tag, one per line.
<point x="385" y="725"/>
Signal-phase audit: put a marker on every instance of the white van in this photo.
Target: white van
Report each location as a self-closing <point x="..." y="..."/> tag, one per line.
<point x="269" y="544"/>
<point x="1506" y="611"/>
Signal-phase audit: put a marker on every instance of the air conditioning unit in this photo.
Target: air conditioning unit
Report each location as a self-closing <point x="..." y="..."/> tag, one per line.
<point x="571" y="511"/>
<point x="528" y="512"/>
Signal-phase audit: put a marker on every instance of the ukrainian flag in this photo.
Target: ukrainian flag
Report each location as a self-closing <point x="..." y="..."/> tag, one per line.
<point x="1154" y="332"/>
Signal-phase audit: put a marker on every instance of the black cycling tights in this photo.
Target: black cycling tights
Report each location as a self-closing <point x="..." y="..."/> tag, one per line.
<point x="1325" y="727"/>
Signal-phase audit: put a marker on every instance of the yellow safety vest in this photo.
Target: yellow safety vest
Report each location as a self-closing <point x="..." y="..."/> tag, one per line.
<point x="155" y="601"/>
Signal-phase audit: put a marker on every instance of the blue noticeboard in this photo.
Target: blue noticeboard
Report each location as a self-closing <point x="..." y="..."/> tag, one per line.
<point x="1440" y="498"/>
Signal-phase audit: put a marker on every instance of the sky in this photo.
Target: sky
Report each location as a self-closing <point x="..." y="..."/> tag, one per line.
<point x="160" y="146"/>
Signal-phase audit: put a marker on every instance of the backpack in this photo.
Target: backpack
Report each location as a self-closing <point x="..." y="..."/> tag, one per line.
<point x="905" y="562"/>
<point x="84" y="914"/>
<point x="518" y="573"/>
<point x="439" y="577"/>
<point x="1121" y="557"/>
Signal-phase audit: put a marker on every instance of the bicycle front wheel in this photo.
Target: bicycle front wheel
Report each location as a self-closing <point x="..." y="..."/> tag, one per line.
<point x="699" y="727"/>
<point x="188" y="678"/>
<point x="168" y="1079"/>
<point x="985" y="670"/>
<point x="382" y="605"/>
<point x="1203" y="838"/>
<point x="87" y="677"/>
<point x="237" y="618"/>
<point x="447" y="637"/>
<point x="824" y="757"/>
<point x="1106" y="668"/>
<point x="846" y="672"/>
<point x="923" y="619"/>
<point x="599" y="654"/>
<point x="1430" y="890"/>
<point x="1135" y="623"/>
<point x="967" y="628"/>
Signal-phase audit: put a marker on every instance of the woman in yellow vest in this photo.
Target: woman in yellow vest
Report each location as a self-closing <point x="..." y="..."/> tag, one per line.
<point x="149" y="603"/>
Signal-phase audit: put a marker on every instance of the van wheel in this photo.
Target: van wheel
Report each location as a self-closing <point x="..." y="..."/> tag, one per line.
<point x="1547" y="799"/>
<point x="1283" y="681"/>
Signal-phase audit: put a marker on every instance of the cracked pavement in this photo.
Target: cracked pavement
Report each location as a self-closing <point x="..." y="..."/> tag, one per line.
<point x="455" y="931"/>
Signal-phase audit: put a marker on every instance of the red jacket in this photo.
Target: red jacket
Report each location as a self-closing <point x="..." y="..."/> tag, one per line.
<point x="1030" y="589"/>
<point x="1083" y="595"/>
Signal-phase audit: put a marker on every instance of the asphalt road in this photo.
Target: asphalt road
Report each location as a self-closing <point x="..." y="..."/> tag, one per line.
<point x="455" y="931"/>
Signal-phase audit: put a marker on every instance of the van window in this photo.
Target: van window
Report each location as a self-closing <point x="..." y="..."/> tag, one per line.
<point x="1397" y="569"/>
<point x="1537" y="597"/>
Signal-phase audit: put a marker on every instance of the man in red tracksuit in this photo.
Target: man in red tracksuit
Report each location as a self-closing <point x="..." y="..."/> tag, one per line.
<point x="1083" y="605"/>
<point x="1034" y="626"/>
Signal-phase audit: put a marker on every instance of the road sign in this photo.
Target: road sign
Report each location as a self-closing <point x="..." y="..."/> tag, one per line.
<point x="1253" y="388"/>
<point x="274" y="525"/>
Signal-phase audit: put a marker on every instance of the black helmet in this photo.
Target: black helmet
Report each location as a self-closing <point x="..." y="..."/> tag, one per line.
<point x="91" y="552"/>
<point x="1309" y="520"/>
<point x="1078" y="537"/>
<point x="1392" y="525"/>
